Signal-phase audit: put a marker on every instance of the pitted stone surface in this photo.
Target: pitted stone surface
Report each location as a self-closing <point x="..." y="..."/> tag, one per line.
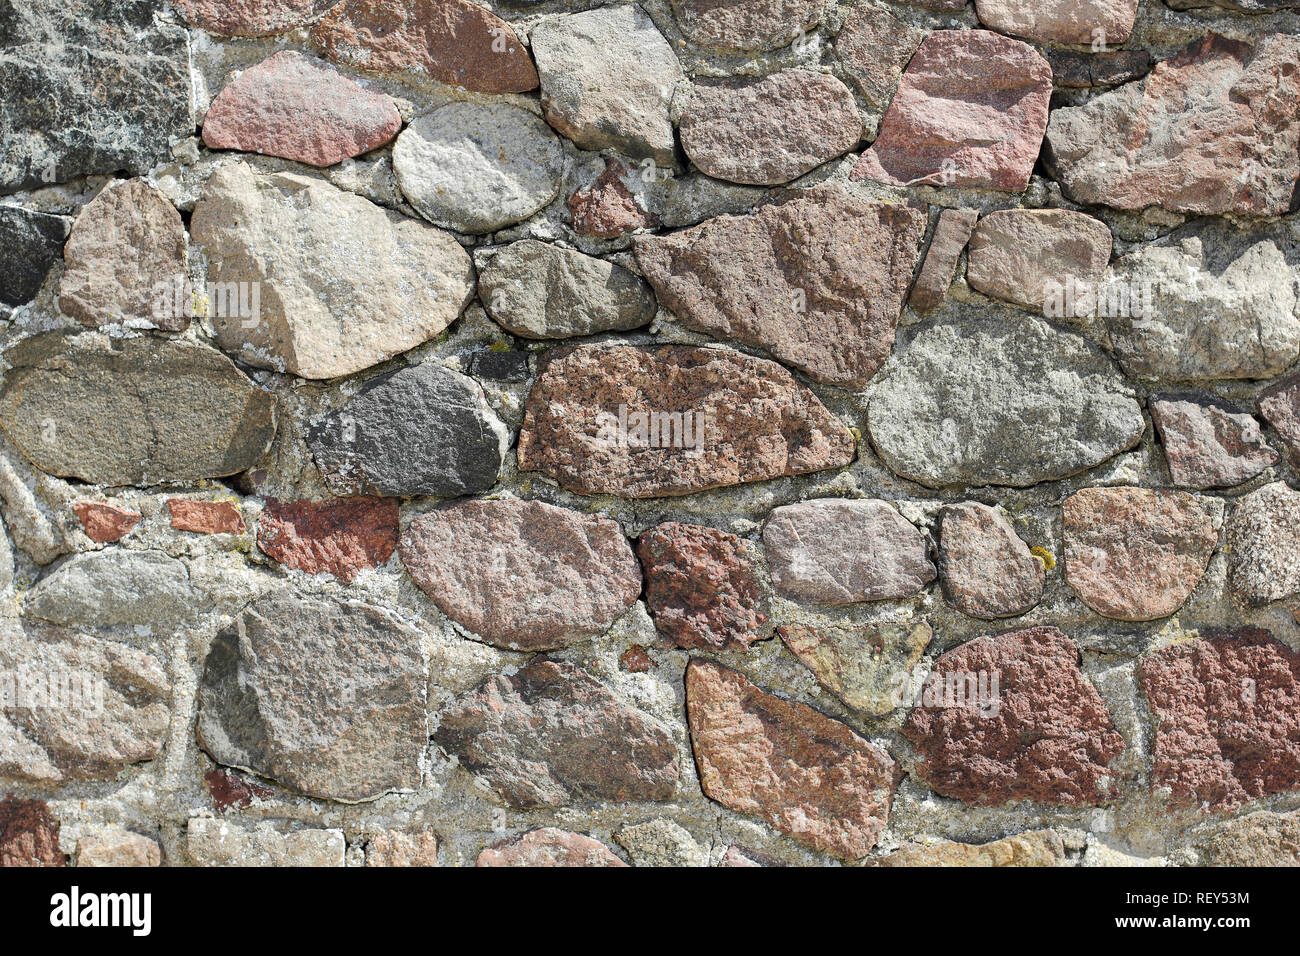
<point x="549" y="846"/>
<point x="29" y="834"/>
<point x="1263" y="544"/>
<point x="987" y="571"/>
<point x="874" y="48"/>
<point x="1280" y="406"/>
<point x="867" y="666"/>
<point x="1209" y="443"/>
<point x="212" y="842"/>
<point x="342" y="537"/>
<point x="745" y="25"/>
<point x="1025" y="256"/>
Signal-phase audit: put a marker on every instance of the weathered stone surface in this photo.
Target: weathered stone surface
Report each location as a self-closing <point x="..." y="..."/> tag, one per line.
<point x="951" y="234"/>
<point x="103" y="523"/>
<point x="127" y="242"/>
<point x="231" y="790"/>
<point x="300" y="108"/>
<point x="1040" y="733"/>
<point x="607" y="80"/>
<point x="817" y="279"/>
<point x="1074" y="69"/>
<point x="549" y="847"/>
<point x="1280" y="406"/>
<point x="30" y="243"/>
<point x="746" y="25"/>
<point x="636" y="660"/>
<point x="1212" y="130"/>
<point x="701" y="586"/>
<point x="545" y="737"/>
<point x="744" y="857"/>
<point x="874" y="47"/>
<point x="971" y="111"/>
<point x="523" y="574"/>
<point x="540" y="291"/>
<point x="1263" y="545"/>
<point x="993" y="402"/>
<point x="25" y="498"/>
<point x="865" y="665"/>
<point x="251" y="18"/>
<point x="343" y="283"/>
<point x="1027" y="256"/>
<point x="29" y="835"/>
<point x="661" y="843"/>
<point x="1035" y="848"/>
<point x="833" y="551"/>
<point x="1208" y="442"/>
<point x="607" y="209"/>
<point x="810" y="777"/>
<point x="423" y="430"/>
<point x="205" y="517"/>
<point x="1226" y="715"/>
<point x="132" y="411"/>
<point x="477" y="168"/>
<point x="115" y="847"/>
<point x="646" y="422"/>
<point x="771" y="130"/>
<point x="324" y="697"/>
<point x="1135" y="554"/>
<point x="1257" y="839"/>
<point x="395" y="848"/>
<point x="986" y="569"/>
<point x="1061" y="21"/>
<point x="90" y="87"/>
<point x="453" y="41"/>
<point x="212" y="842"/>
<point x="342" y="537"/>
<point x="116" y="588"/>
<point x="86" y="709"/>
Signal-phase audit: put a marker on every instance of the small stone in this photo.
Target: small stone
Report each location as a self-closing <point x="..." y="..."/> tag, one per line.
<point x="647" y="422"/>
<point x="117" y="588"/>
<point x="229" y="790"/>
<point x="552" y="735"/>
<point x="523" y="574"/>
<point x="661" y="843"/>
<point x="818" y="279"/>
<point x="810" y="777"/>
<point x="205" y="517"/>
<point x="423" y="430"/>
<point x="874" y="48"/>
<point x="1135" y="554"/>
<point x="342" y="537"/>
<point x="549" y="847"/>
<point x="701" y="587"/>
<point x="251" y="18"/>
<point x="212" y="842"/>
<point x="1280" y="406"/>
<point x="636" y="660"/>
<point x="951" y="235"/>
<point x="986" y="570"/>
<point x="540" y="291"/>
<point x="393" y="282"/>
<point x="867" y="665"/>
<point x="477" y="168"/>
<point x="1263" y="545"/>
<point x="970" y="112"/>
<point x="299" y="108"/>
<point x="1210" y="131"/>
<point x="607" y="209"/>
<point x="29" y="835"/>
<point x="1225" y="716"/>
<point x="745" y="25"/>
<point x="1061" y="21"/>
<point x="103" y="523"/>
<point x="1075" y="70"/>
<point x="127" y="243"/>
<point x="30" y="244"/>
<point x="324" y="697"/>
<point x="1209" y="443"/>
<point x="1035" y="848"/>
<point x="985" y="401"/>
<point x="395" y="848"/>
<point x="1257" y="839"/>
<point x="771" y="130"/>
<point x="1011" y="717"/>
<point x="589" y="93"/>
<point x="509" y="365"/>
<point x="1028" y="256"/>
<point x="118" y="848"/>
<point x="453" y="41"/>
<point x="742" y="856"/>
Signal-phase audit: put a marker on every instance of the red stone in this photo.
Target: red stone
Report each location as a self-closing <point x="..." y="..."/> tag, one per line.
<point x="341" y="538"/>
<point x="636" y="660"/>
<point x="29" y="836"/>
<point x="228" y="790"/>
<point x="607" y="209"/>
<point x="105" y="523"/>
<point x="205" y="517"/>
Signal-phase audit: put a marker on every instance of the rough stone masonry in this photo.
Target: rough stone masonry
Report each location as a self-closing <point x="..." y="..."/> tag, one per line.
<point x="657" y="433"/>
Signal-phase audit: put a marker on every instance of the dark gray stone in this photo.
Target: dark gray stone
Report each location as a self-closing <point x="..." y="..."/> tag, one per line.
<point x="30" y="243"/>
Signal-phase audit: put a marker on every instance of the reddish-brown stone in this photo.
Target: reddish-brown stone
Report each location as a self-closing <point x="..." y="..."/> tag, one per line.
<point x="230" y="790"/>
<point x="607" y="209"/>
<point x="548" y="846"/>
<point x="251" y="18"/>
<point x="105" y="523"/>
<point x="807" y="775"/>
<point x="29" y="835"/>
<point x="205" y="517"/>
<point x="1226" y="712"/>
<point x="454" y="41"/>
<point x="1280" y="406"/>
<point x="1041" y="733"/>
<point x="341" y="538"/>
<point x="636" y="660"/>
<point x="700" y="586"/>
<point x="1209" y="443"/>
<point x="951" y="234"/>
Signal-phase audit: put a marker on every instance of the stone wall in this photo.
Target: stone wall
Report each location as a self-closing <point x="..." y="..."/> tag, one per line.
<point x="693" y="433"/>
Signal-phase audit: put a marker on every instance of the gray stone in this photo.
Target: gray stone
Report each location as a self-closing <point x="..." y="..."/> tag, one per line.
<point x="1263" y="545"/>
<point x="30" y="243"/>
<point x="425" y="430"/>
<point x="540" y="291"/>
<point x="117" y="588"/>
<point x="211" y="842"/>
<point x="745" y="25"/>
<point x="661" y="843"/>
<point x="874" y="48"/>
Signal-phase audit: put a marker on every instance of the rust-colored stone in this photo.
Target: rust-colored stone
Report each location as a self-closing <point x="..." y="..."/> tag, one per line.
<point x="230" y="790"/>
<point x="607" y="209"/>
<point x="105" y="523"/>
<point x="205" y="517"/>
<point x="636" y="660"/>
<point x="341" y="538"/>
<point x="29" y="835"/>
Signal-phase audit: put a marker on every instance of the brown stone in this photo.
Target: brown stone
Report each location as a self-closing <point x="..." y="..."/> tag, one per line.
<point x="454" y="41"/>
<point x="1226" y="714"/>
<point x="1035" y="848"/>
<point x="951" y="234"/>
<point x="649" y="422"/>
<point x="1040" y="733"/>
<point x="1280" y="406"/>
<point x="818" y="279"/>
<point x="636" y="660"/>
<point x="607" y="209"/>
<point x="299" y="108"/>
<point x="205" y="517"/>
<point x="523" y="574"/>
<point x="700" y="586"/>
<point x="1135" y="554"/>
<point x="745" y="25"/>
<point x="395" y="848"/>
<point x="874" y="48"/>
<point x="1263" y="545"/>
<point x="105" y="523"/>
<point x="552" y="735"/>
<point x="1029" y="256"/>
<point x="971" y="111"/>
<point x="864" y="665"/>
<point x="251" y="18"/>
<point x="342" y="537"/>
<point x="810" y="777"/>
<point x="29" y="835"/>
<point x="548" y="846"/>
<point x="1209" y="443"/>
<point x="1061" y="21"/>
<point x="229" y="790"/>
<point x="986" y="569"/>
